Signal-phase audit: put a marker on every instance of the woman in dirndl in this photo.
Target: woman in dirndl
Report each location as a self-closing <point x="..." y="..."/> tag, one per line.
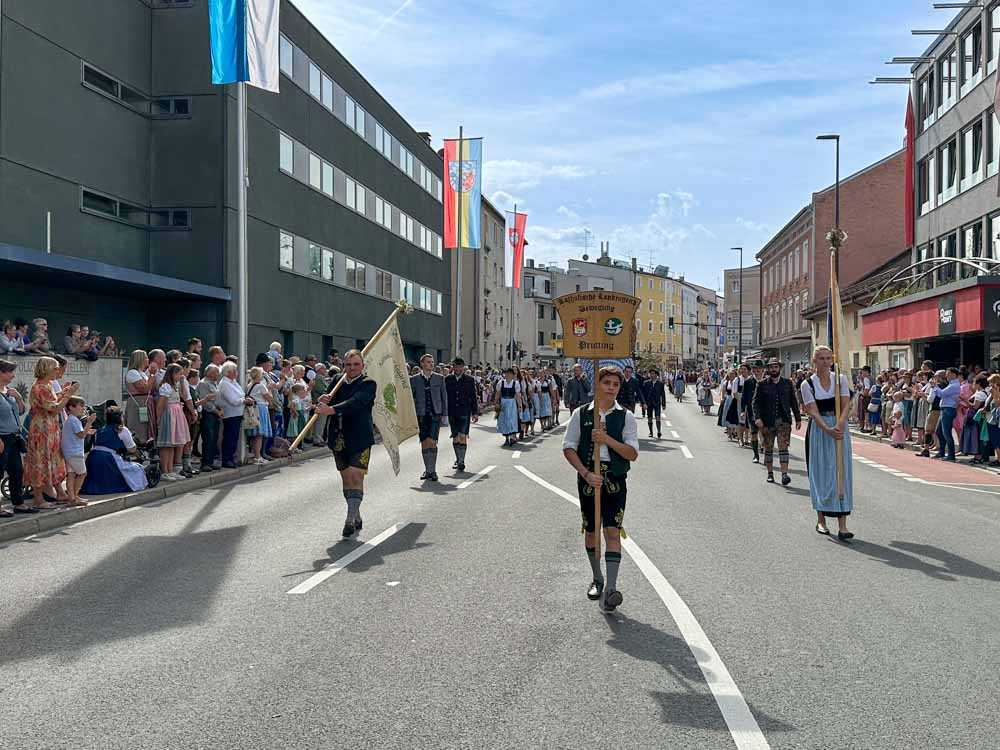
<point x="107" y="470"/>
<point x="262" y="399"/>
<point x="734" y="392"/>
<point x="545" y="399"/>
<point x="824" y="433"/>
<point x="505" y="402"/>
<point x="705" y="392"/>
<point x="536" y="398"/>
<point x="679" y="386"/>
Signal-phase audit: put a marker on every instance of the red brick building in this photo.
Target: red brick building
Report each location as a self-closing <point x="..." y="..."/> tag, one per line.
<point x="786" y="264"/>
<point x="872" y="212"/>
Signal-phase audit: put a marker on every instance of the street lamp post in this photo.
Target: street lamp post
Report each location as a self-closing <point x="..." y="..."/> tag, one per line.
<point x="739" y="345"/>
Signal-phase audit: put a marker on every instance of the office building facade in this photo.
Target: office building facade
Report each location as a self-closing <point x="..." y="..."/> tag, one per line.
<point x="139" y="186"/>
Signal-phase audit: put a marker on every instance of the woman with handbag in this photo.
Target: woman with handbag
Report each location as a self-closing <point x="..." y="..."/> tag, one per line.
<point x="138" y="384"/>
<point x="874" y="408"/>
<point x="11" y="441"/>
<point x="256" y="418"/>
<point x="234" y="402"/>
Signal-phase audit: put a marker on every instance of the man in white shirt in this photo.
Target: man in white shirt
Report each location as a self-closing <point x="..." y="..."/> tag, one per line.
<point x="617" y="434"/>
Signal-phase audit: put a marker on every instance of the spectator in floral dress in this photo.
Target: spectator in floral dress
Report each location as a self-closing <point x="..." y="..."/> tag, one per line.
<point x="44" y="468"/>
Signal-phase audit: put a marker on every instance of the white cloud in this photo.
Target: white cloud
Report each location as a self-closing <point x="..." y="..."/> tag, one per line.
<point x="506" y="202"/>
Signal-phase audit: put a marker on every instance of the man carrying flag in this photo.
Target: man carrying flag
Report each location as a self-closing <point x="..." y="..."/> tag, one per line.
<point x="350" y="433"/>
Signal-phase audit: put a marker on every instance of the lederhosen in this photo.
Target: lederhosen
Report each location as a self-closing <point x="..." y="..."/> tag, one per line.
<point x="613" y="472"/>
<point x="827" y="407"/>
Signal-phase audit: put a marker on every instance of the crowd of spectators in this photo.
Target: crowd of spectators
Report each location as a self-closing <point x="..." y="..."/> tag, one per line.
<point x="186" y="414"/>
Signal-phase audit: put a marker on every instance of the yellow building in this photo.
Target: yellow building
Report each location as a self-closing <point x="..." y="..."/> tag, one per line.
<point x="660" y="300"/>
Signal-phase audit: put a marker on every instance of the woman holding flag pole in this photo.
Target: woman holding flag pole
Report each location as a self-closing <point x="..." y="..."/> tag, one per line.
<point x="826" y="397"/>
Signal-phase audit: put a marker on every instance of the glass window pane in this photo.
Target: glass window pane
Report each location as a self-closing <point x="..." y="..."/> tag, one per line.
<point x="98" y="80"/>
<point x="359" y="122"/>
<point x="327" y="264"/>
<point x="301" y="171"/>
<point x="359" y="276"/>
<point x="351" y="189"/>
<point x="132" y="214"/>
<point x="285" y="252"/>
<point x="360" y="205"/>
<point x="286" y="56"/>
<point x="327" y="93"/>
<point x="315" y="171"/>
<point x="315" y="260"/>
<point x="287" y="153"/>
<point x="95" y="202"/>
<point x="315" y="81"/>
<point x="328" y="179"/>
<point x="349" y="280"/>
<point x="350" y="112"/>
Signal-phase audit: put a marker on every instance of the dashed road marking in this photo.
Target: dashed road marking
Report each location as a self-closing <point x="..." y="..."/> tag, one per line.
<point x="686" y="451"/>
<point x="479" y="475"/>
<point x="515" y="455"/>
<point x="743" y="727"/>
<point x="338" y="565"/>
<point x="673" y="434"/>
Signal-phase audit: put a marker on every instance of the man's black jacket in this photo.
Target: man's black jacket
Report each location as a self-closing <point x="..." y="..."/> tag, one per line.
<point x="352" y="418"/>
<point x="462" y="400"/>
<point x="630" y="393"/>
<point x="653" y="393"/>
<point x="775" y="401"/>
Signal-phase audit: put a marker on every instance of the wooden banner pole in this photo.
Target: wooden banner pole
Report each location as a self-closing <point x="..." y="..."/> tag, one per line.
<point x="598" y="525"/>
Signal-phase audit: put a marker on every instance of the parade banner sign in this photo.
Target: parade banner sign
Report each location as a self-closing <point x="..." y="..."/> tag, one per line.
<point x="394" y="413"/>
<point x="598" y="325"/>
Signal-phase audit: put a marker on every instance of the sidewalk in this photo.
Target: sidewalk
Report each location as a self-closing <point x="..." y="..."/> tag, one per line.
<point x="99" y="505"/>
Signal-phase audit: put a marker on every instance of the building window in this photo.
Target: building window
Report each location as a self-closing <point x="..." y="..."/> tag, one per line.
<point x="972" y="155"/>
<point x="548" y="286"/>
<point x="947" y="170"/>
<point x="926" y="100"/>
<point x="286" y="55"/>
<point x="315" y="81"/>
<point x="650" y="326"/>
<point x="947" y="83"/>
<point x="315" y="172"/>
<point x="103" y="205"/>
<point x="971" y="247"/>
<point x="541" y="312"/>
<point x="923" y="186"/>
<point x="972" y="56"/>
<point x="285" y="250"/>
<point x="994" y="15"/>
<point x="651" y="305"/>
<point x="947" y="248"/>
<point x="552" y="313"/>
<point x="992" y="143"/>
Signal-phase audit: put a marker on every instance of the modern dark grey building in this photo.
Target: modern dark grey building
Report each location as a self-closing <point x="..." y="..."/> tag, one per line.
<point x="118" y="186"/>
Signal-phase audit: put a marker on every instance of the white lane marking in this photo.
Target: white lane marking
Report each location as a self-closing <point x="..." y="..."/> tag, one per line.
<point x="476" y="478"/>
<point x="335" y="567"/>
<point x="392" y="583"/>
<point x="515" y="455"/>
<point x="673" y="434"/>
<point x="668" y="423"/>
<point x="743" y="727"/>
<point x="686" y="452"/>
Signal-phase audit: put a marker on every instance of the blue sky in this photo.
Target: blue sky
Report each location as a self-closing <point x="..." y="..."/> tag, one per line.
<point x="675" y="129"/>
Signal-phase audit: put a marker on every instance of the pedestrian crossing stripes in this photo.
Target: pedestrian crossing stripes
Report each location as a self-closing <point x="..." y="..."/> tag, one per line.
<point x="888" y="470"/>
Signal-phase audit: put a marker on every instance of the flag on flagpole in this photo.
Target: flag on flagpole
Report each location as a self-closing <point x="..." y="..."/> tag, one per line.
<point x="462" y="198"/>
<point x="514" y="248"/>
<point x="244" y="41"/>
<point x="394" y="413"/>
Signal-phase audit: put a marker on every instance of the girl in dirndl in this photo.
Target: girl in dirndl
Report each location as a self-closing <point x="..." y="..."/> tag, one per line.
<point x="527" y="422"/>
<point x="825" y="431"/>
<point x="545" y="387"/>
<point x="262" y="398"/>
<point x="172" y="432"/>
<point x="506" y="404"/>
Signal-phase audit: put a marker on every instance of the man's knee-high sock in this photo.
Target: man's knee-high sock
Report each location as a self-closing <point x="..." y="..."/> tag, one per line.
<point x="432" y="459"/>
<point x="595" y="564"/>
<point x="658" y="431"/>
<point x="426" y="453"/>
<point x="611" y="561"/>
<point x="460" y="449"/>
<point x="354" y="498"/>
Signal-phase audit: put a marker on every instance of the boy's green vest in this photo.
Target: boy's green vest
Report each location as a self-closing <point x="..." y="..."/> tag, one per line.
<point x="614" y="423"/>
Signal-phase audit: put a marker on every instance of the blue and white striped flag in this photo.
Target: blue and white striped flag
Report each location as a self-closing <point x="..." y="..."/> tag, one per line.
<point x="244" y="38"/>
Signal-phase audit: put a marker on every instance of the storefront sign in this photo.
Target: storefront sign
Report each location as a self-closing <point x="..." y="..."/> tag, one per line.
<point x="946" y="315"/>
<point x="601" y="324"/>
<point x="991" y="309"/>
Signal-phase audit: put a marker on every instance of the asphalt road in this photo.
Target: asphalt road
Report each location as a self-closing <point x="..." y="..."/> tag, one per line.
<point x="171" y="625"/>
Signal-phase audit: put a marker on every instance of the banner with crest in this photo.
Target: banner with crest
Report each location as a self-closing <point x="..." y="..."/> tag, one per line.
<point x="394" y="414"/>
<point x="463" y="173"/>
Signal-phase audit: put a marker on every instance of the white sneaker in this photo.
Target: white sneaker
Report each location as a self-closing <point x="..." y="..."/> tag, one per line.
<point x="260" y="461"/>
<point x="171" y="477"/>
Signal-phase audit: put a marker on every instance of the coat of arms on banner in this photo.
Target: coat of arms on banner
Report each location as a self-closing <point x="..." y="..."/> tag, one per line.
<point x="468" y="175"/>
<point x="580" y="327"/>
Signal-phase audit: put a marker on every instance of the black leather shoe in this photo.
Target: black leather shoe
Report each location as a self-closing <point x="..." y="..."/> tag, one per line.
<point x="595" y="590"/>
<point x="611" y="601"/>
<point x="358" y="525"/>
<point x="348" y="530"/>
<point x="460" y="467"/>
<point x="425" y="476"/>
<point x="844" y="535"/>
<point x="785" y="480"/>
<point x="433" y="477"/>
<point x="770" y="477"/>
<point x="25" y="509"/>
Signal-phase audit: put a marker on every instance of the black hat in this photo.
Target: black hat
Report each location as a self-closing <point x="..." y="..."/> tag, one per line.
<point x="773" y="361"/>
<point x="757" y="363"/>
<point x="458" y="361"/>
<point x="262" y="359"/>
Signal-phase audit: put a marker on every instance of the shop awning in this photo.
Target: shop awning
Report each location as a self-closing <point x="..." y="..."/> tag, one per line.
<point x="967" y="306"/>
<point x="72" y="272"/>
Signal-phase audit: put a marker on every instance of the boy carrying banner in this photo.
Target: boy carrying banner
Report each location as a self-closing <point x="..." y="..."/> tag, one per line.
<point x="616" y="433"/>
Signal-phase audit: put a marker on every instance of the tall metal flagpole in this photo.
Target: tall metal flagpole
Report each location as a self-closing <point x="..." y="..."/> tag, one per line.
<point x="458" y="251"/>
<point x="241" y="235"/>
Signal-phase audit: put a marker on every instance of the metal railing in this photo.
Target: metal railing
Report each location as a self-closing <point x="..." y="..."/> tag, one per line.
<point x="925" y="275"/>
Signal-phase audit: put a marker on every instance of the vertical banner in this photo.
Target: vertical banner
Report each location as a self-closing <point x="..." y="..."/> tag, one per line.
<point x="514" y="248"/>
<point x="462" y="198"/>
<point x="244" y="39"/>
<point x="393" y="414"/>
<point x="911" y="155"/>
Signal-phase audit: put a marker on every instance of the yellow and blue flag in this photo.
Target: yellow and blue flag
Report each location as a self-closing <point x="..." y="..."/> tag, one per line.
<point x="463" y="170"/>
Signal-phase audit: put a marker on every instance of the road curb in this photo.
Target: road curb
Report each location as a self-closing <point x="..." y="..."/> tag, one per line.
<point x="19" y="528"/>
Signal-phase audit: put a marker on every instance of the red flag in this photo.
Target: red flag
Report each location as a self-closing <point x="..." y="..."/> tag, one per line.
<point x="911" y="155"/>
<point x="514" y="248"/>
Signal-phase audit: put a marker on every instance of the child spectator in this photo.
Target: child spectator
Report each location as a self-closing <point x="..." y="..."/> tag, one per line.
<point x="172" y="430"/>
<point x="898" y="421"/>
<point x="76" y="428"/>
<point x="190" y="414"/>
<point x="296" y="411"/>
